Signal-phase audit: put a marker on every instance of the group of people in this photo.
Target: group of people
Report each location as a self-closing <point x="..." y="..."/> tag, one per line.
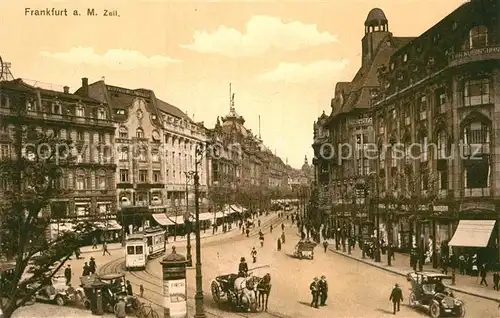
<point x="90" y="267"/>
<point x="319" y="291"/>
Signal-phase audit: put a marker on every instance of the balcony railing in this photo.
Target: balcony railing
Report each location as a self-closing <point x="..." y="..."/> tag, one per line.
<point x="61" y="117"/>
<point x="476" y="192"/>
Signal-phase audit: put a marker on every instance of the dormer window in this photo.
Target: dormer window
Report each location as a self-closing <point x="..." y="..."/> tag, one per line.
<point x="405" y="57"/>
<point x="56" y="108"/>
<point x="101" y="113"/>
<point x="392" y="66"/>
<point x="120" y="112"/>
<point x="478" y="37"/>
<point x="139" y="133"/>
<point x="79" y="111"/>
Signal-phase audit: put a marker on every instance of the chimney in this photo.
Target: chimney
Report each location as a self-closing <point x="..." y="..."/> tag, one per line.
<point x="66" y="89"/>
<point x="85" y="86"/>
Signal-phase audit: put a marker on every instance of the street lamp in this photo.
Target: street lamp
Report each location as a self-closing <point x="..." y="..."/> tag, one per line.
<point x="199" y="308"/>
<point x="377" y="213"/>
<point x="189" y="259"/>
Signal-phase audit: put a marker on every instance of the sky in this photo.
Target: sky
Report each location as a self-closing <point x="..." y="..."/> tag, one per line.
<point x="283" y="58"/>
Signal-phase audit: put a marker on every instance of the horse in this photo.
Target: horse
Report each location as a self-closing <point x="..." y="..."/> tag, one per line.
<point x="263" y="291"/>
<point x="244" y="288"/>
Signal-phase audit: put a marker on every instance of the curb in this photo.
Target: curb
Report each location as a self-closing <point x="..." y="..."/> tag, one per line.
<point x="393" y="271"/>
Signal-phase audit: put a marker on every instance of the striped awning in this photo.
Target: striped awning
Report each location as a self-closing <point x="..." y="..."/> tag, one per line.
<point x="473" y="233"/>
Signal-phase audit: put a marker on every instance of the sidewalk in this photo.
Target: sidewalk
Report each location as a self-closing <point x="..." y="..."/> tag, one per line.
<point x="39" y="310"/>
<point x="401" y="266"/>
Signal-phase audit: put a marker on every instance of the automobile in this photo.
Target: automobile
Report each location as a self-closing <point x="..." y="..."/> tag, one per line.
<point x="304" y="249"/>
<point x="429" y="292"/>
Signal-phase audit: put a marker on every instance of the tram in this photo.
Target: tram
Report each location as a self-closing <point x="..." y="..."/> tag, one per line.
<point x="156" y="241"/>
<point x="136" y="249"/>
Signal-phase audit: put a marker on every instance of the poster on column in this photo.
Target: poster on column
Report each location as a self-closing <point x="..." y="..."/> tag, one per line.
<point x="177" y="298"/>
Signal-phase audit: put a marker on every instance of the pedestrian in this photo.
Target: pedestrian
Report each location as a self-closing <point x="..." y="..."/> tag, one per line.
<point x="496" y="281"/>
<point x="314" y="292"/>
<point x="86" y="269"/>
<point x="283" y="237"/>
<point x="444" y="265"/>
<point x="325" y="245"/>
<point x="129" y="289"/>
<point x="461" y="264"/>
<point x="282" y="226"/>
<point x="271" y="228"/>
<point x="482" y="272"/>
<point x="253" y="253"/>
<point x="258" y="222"/>
<point x="92" y="266"/>
<point x="120" y="307"/>
<point x="323" y="290"/>
<point x="141" y="290"/>
<point x="396" y="298"/>
<point x="105" y="248"/>
<point x="67" y="274"/>
<point x="248" y="232"/>
<point x="243" y="230"/>
<point x="279" y="244"/>
<point x="94" y="243"/>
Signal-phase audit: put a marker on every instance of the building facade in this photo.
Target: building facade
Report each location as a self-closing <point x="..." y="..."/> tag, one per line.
<point x="441" y="92"/>
<point x="155" y="150"/>
<point x="87" y="122"/>
<point x="341" y="140"/>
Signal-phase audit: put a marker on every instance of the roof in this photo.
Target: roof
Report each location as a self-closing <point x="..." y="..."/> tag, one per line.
<point x="375" y="17"/>
<point x="171" y="109"/>
<point x="20" y="85"/>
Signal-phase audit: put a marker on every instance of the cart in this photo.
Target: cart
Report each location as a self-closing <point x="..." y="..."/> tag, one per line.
<point x="304" y="249"/>
<point x="222" y="288"/>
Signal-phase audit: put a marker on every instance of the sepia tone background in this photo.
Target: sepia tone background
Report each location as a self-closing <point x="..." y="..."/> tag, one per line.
<point x="283" y="58"/>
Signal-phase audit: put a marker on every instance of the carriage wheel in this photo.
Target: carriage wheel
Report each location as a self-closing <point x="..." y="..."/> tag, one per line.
<point x="461" y="311"/>
<point x="412" y="300"/>
<point x="215" y="288"/>
<point x="434" y="310"/>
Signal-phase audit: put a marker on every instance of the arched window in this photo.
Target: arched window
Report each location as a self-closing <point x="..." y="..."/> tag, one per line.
<point x="139" y="133"/>
<point x="101" y="180"/>
<point x="60" y="179"/>
<point x="478" y="37"/>
<point x="476" y="133"/>
<point x="80" y="179"/>
<point x="123" y="132"/>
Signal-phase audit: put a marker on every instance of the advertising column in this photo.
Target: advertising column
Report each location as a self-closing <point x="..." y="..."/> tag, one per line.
<point x="174" y="285"/>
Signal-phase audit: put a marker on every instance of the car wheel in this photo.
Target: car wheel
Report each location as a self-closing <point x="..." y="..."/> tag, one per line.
<point x="461" y="311"/>
<point x="412" y="300"/>
<point x="60" y="301"/>
<point x="434" y="310"/>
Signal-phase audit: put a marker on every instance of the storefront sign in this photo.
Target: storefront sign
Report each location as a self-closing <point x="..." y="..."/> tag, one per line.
<point x="441" y="208"/>
<point x="477" y="206"/>
<point x="475" y="52"/>
<point x="175" y="292"/>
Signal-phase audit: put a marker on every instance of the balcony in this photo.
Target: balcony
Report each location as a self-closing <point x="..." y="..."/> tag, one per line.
<point x="475" y="55"/>
<point x="476" y="192"/>
<point x="39" y="115"/>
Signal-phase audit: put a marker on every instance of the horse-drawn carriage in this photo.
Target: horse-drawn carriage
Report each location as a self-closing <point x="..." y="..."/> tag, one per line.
<point x="242" y="293"/>
<point x="304" y="249"/>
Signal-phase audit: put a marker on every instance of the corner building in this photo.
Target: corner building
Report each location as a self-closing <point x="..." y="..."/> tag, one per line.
<point x="155" y="146"/>
<point x="442" y="91"/>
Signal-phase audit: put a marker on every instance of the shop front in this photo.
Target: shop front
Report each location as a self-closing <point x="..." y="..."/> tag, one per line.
<point x="477" y="237"/>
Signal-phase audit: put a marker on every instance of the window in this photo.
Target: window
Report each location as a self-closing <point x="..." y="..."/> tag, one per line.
<point x="477" y="92"/>
<point x="80" y="180"/>
<point x="120" y="112"/>
<point x="56" y="133"/>
<point x="422" y="104"/>
<point x="139" y="133"/>
<point x="123" y="132"/>
<point x="102" y="138"/>
<point x="425" y="175"/>
<point x="101" y="113"/>
<point x="442" y="145"/>
<point x="139" y="250"/>
<point x="478" y="37"/>
<point x="167" y="175"/>
<point x="143" y="176"/>
<point x="30" y="105"/>
<point x="56" y="108"/>
<point x="143" y="154"/>
<point x="3" y="184"/>
<point x="405" y="57"/>
<point x="124" y="154"/>
<point x="155" y="156"/>
<point x="123" y="175"/>
<point x="80" y="135"/>
<point x="477" y="173"/>
<point x="4" y="151"/>
<point x="476" y="133"/>
<point x="440" y="96"/>
<point x="392" y="66"/>
<point x="80" y="112"/>
<point x="442" y="169"/>
<point x="423" y="146"/>
<point x="156" y="176"/>
<point x="101" y="180"/>
<point x="130" y="250"/>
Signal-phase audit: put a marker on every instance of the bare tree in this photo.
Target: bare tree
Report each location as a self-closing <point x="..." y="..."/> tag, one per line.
<point x="33" y="175"/>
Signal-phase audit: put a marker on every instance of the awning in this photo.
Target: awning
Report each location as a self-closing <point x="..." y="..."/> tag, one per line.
<point x="161" y="218"/>
<point x="236" y="209"/>
<point x="219" y="215"/>
<point x="472" y="233"/>
<point x="206" y="216"/>
<point x="108" y="225"/>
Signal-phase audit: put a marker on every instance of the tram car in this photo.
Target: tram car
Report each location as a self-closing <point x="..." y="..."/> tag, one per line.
<point x="136" y="248"/>
<point x="156" y="241"/>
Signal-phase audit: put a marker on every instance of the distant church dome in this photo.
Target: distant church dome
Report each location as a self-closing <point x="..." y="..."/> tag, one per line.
<point x="375" y="17"/>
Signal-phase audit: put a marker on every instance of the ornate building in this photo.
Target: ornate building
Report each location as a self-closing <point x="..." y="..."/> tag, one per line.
<point x="84" y="120"/>
<point x="342" y="139"/>
<point x="155" y="148"/>
<point x="440" y="92"/>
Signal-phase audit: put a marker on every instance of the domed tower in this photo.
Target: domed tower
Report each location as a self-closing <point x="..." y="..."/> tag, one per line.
<point x="376" y="30"/>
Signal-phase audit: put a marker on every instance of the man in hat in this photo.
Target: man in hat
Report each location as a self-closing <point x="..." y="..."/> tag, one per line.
<point x="314" y="292"/>
<point x="67" y="274"/>
<point x="243" y="268"/>
<point x="92" y="266"/>
<point x="396" y="298"/>
<point x="120" y="308"/>
<point x="323" y="290"/>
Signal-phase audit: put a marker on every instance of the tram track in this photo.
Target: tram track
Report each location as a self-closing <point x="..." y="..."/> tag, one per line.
<point x="148" y="280"/>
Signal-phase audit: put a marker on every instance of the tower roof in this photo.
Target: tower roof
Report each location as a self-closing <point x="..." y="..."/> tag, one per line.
<point x="375" y="17"/>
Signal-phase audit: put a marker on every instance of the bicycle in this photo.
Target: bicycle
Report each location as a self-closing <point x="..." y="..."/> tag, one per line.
<point x="147" y="311"/>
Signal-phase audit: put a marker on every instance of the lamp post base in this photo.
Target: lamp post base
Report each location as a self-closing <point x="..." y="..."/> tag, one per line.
<point x="199" y="310"/>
